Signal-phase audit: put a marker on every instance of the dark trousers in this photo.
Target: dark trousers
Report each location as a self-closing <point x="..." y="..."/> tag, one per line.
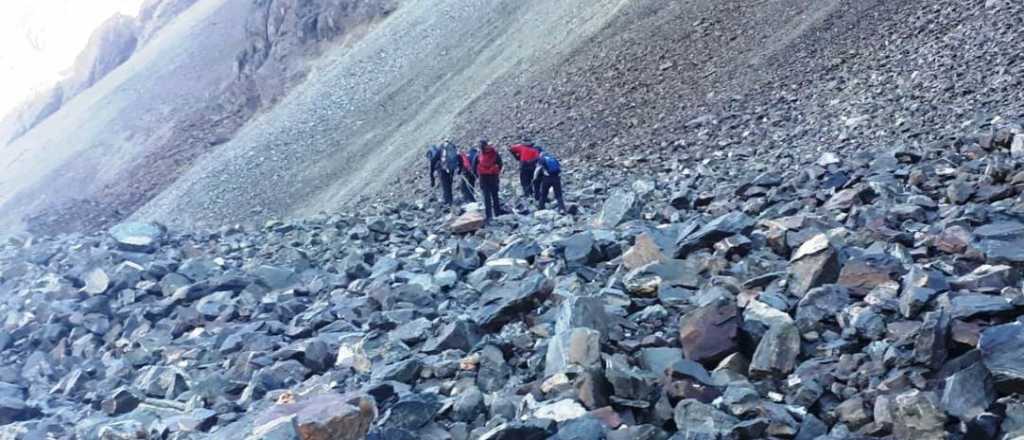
<point x="467" y="181"/>
<point x="526" y="178"/>
<point x="446" y="186"/>
<point x="489" y="186"/>
<point x="547" y="183"/>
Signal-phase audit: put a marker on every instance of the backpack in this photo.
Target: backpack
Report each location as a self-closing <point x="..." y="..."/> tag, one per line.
<point x="473" y="154"/>
<point x="488" y="164"/>
<point x="550" y="164"/>
<point x="432" y="153"/>
<point x="450" y="157"/>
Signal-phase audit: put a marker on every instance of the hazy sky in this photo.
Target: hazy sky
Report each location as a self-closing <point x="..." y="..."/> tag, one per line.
<point x="39" y="40"/>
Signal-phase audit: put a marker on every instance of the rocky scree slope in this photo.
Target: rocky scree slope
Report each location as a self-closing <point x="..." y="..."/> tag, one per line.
<point x="839" y="295"/>
<point x="617" y="78"/>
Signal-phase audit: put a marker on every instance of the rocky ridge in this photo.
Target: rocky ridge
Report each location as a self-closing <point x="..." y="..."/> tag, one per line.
<point x="686" y="294"/>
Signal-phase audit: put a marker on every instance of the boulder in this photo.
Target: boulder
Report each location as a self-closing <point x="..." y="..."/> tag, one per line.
<point x="695" y="419"/>
<point x="1003" y="354"/>
<point x="724" y="226"/>
<point x="777" y="352"/>
<point x="324" y="416"/>
<point x="620" y="206"/>
<point x="471" y="221"/>
<point x="137" y="237"/>
<point x="814" y="263"/>
<point x="709" y="333"/>
<point x="917" y="415"/>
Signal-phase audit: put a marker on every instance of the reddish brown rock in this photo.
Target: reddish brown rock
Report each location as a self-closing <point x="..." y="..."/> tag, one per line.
<point x="708" y="334"/>
<point x="326" y="416"/>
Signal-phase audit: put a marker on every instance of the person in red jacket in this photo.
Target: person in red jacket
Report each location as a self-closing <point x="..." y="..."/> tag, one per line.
<point x="527" y="154"/>
<point x="488" y="167"/>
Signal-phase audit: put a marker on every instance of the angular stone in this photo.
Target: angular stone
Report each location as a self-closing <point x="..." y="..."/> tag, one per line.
<point x="618" y="207"/>
<point x="724" y="226"/>
<point x="861" y="276"/>
<point x="325" y="416"/>
<point x="411" y="412"/>
<point x="13" y="407"/>
<point x="459" y="335"/>
<point x="919" y="287"/>
<point x="137" y="237"/>
<point x="580" y="250"/>
<point x="818" y="304"/>
<point x="931" y="339"/>
<point x="643" y="252"/>
<point x="777" y="352"/>
<point x="758" y="317"/>
<point x="971" y="306"/>
<point x="560" y="411"/>
<point x="814" y="263"/>
<point x="709" y="333"/>
<point x="698" y="420"/>
<point x="969" y="392"/>
<point x="469" y="222"/>
<point x="916" y="415"/>
<point x="575" y="347"/>
<point x="1003" y="354"/>
<point x="853" y="413"/>
<point x="987" y="278"/>
<point x="122" y="401"/>
<point x="282" y="428"/>
<point x="501" y="304"/>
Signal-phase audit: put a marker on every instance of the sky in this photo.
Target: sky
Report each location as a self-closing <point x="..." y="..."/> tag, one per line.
<point x="39" y="40"/>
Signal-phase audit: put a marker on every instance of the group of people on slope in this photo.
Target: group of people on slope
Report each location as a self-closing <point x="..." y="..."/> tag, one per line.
<point x="539" y="172"/>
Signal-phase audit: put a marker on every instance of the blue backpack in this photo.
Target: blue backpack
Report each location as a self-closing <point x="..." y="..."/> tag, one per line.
<point x="550" y="164"/>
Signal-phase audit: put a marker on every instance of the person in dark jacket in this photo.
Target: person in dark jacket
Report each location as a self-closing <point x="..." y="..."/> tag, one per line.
<point x="434" y="159"/>
<point x="549" y="175"/>
<point x="448" y="165"/>
<point x="527" y="155"/>
<point x="488" y="167"/>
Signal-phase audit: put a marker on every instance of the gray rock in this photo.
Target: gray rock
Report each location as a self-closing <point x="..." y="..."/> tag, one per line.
<point x="917" y="415"/>
<point x="724" y="226"/>
<point x="137" y="237"/>
<point x="814" y="263"/>
<point x="968" y="392"/>
<point x="971" y="306"/>
<point x="1003" y="353"/>
<point x="459" y="335"/>
<point x="575" y="347"/>
<point x="620" y="206"/>
<point x="820" y="303"/>
<point x="919" y="287"/>
<point x="777" y="352"/>
<point x="700" y="420"/>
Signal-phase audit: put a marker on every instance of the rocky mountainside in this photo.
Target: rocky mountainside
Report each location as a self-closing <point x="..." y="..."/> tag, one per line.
<point x="788" y="220"/>
<point x="839" y="295"/>
<point x="113" y="148"/>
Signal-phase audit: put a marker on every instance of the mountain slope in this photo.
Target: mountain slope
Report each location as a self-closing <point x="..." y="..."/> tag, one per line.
<point x="609" y="78"/>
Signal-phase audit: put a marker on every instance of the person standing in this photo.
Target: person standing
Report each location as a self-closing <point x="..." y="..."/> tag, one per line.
<point x="468" y="173"/>
<point x="449" y="165"/>
<point x="527" y="156"/>
<point x="488" y="167"/>
<point x="434" y="159"/>
<point x="549" y="174"/>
